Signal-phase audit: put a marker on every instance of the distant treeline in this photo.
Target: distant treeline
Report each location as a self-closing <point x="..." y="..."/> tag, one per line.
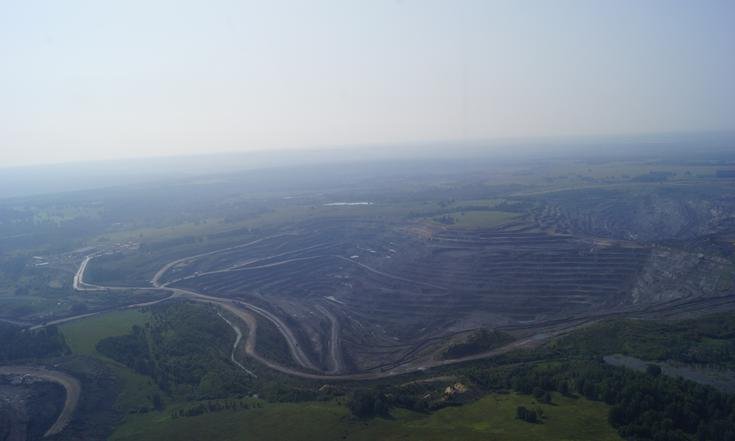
<point x="210" y="406"/>
<point x="507" y="206"/>
<point x="654" y="176"/>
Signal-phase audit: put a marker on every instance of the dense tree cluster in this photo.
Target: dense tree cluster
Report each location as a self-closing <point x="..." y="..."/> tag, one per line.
<point x="527" y="415"/>
<point x="130" y="350"/>
<point x="183" y="349"/>
<point x="21" y="344"/>
<point x="368" y="404"/>
<point x="704" y="341"/>
<point x="214" y="406"/>
<point x="644" y="406"/>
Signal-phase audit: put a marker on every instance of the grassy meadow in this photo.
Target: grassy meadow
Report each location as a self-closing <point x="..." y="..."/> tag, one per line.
<point x="490" y="418"/>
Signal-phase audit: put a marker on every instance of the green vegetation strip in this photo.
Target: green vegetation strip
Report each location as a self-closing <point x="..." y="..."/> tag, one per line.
<point x="492" y="417"/>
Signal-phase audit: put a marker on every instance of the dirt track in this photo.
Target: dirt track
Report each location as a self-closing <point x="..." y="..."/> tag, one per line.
<point x="235" y="345"/>
<point x="70" y="384"/>
<point x="335" y="350"/>
<point x="296" y="351"/>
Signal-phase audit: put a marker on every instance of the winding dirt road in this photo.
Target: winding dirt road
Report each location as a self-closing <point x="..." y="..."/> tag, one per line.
<point x="78" y="283"/>
<point x="391" y="276"/>
<point x="245" y="311"/>
<point x="238" y="338"/>
<point x="156" y="281"/>
<point x="335" y="348"/>
<point x="70" y="384"/>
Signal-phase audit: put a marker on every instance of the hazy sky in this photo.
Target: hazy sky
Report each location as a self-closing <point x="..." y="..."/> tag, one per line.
<point x="104" y="79"/>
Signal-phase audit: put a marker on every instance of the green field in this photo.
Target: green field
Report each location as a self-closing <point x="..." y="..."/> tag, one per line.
<point x="491" y="418"/>
<point x="474" y="219"/>
<point x="481" y="219"/>
<point x="82" y="337"/>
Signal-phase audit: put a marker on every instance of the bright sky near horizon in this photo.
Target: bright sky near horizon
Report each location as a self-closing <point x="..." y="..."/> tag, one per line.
<point x="99" y="79"/>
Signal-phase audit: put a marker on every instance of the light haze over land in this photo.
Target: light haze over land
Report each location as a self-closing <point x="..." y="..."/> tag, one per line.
<point x="100" y="80"/>
<point x="376" y="220"/>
